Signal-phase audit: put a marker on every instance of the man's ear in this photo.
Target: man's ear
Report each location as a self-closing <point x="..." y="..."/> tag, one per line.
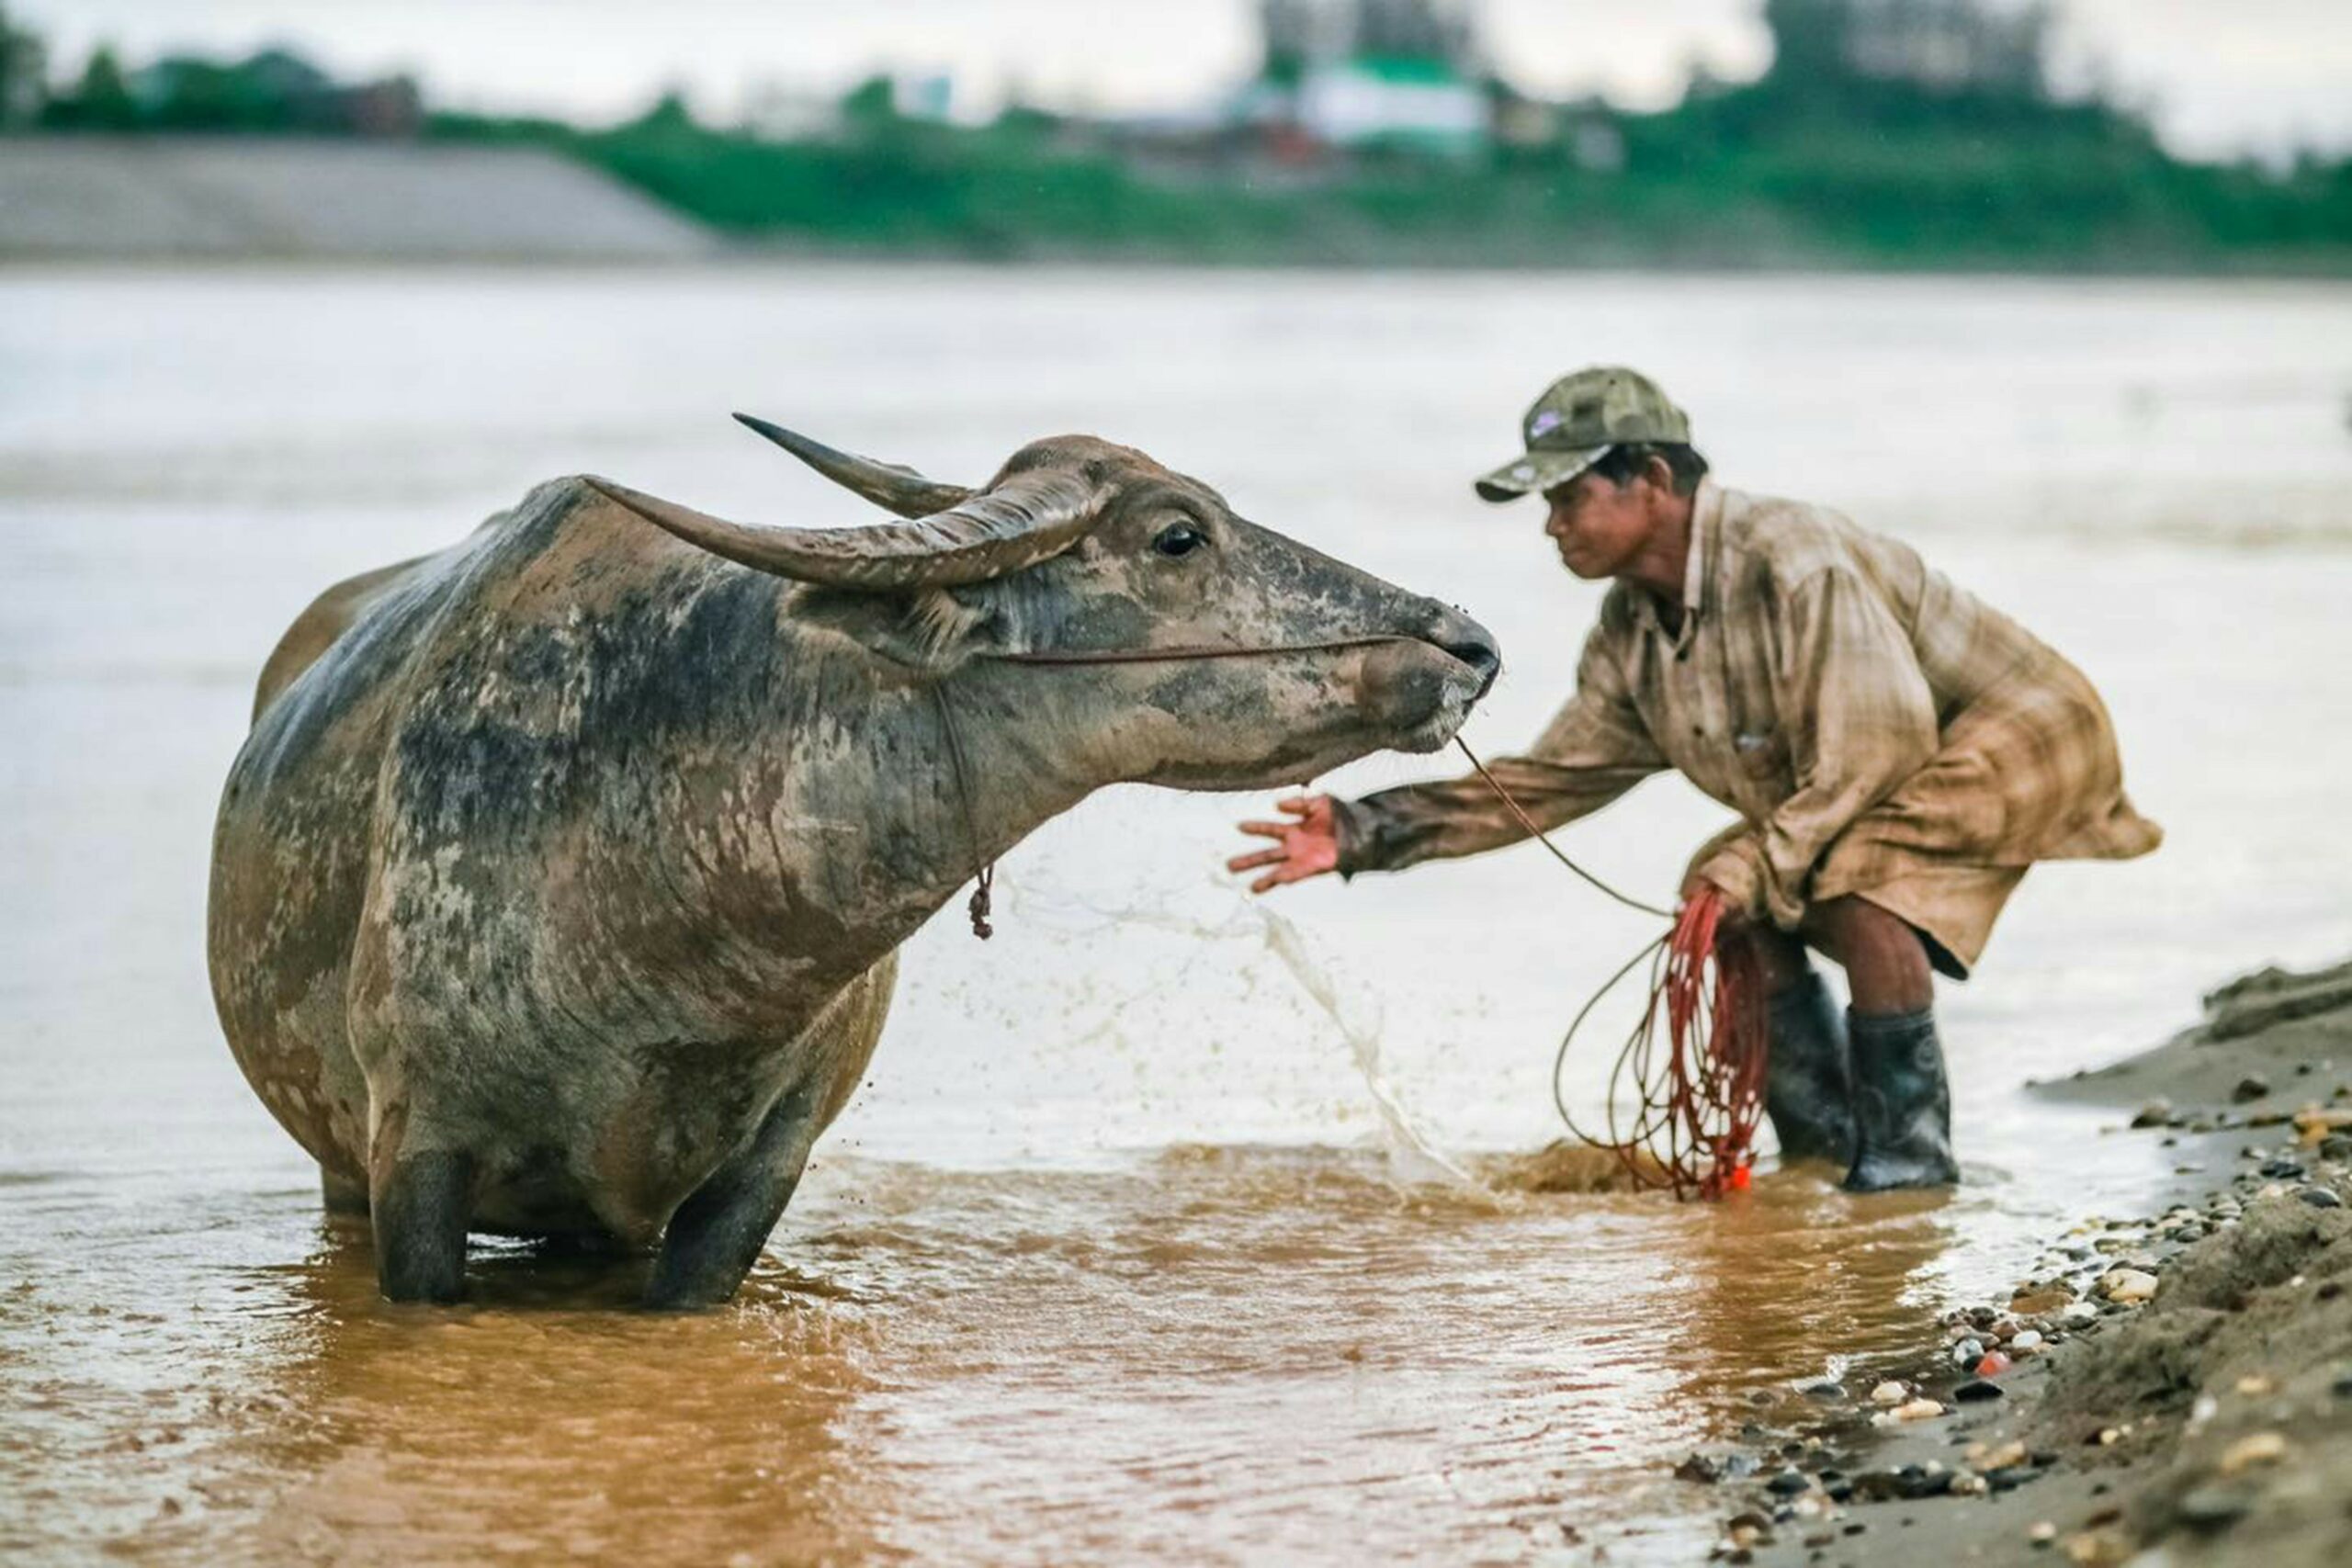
<point x="933" y="629"/>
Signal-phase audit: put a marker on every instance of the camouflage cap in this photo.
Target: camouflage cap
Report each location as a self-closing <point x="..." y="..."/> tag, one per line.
<point x="1577" y="420"/>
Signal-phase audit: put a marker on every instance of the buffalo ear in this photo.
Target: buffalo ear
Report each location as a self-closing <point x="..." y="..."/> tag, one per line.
<point x="935" y="630"/>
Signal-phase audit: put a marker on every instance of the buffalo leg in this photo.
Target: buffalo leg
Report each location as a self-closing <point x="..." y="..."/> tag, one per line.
<point x="341" y="1195"/>
<point x="419" y="1203"/>
<point x="716" y="1233"/>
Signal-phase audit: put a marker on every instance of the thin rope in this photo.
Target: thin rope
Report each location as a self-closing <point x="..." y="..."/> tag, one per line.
<point x="1546" y="839"/>
<point x="984" y="895"/>
<point x="1698" y="1093"/>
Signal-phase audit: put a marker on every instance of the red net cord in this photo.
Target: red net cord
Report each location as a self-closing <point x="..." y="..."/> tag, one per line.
<point x="1698" y="1093"/>
<point x="1686" y="1093"/>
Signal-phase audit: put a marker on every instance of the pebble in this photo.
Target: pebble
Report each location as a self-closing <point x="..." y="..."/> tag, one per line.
<point x="2041" y="1302"/>
<point x="2214" y="1507"/>
<point x="2319" y="1198"/>
<point x="1967" y="1350"/>
<point x="2007" y="1455"/>
<point x="2157" y="1112"/>
<point x="2042" y="1533"/>
<point x="2128" y="1285"/>
<point x="1704" y="1469"/>
<point x="2025" y="1340"/>
<point x="2091" y="1549"/>
<point x="1788" y="1483"/>
<point x="1976" y="1389"/>
<point x="1966" y="1484"/>
<point x="2256" y="1449"/>
<point x="1994" y="1365"/>
<point x="2284" y="1169"/>
<point x="1889" y="1392"/>
<point x="2254" y="1085"/>
<point x="1918" y="1410"/>
<point x="1827" y="1392"/>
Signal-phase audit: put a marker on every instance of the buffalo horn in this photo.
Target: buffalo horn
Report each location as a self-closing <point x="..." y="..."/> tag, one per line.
<point x="1027" y="518"/>
<point x="890" y="486"/>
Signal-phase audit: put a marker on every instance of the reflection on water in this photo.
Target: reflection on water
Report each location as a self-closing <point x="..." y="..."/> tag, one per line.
<point x="1132" y="1247"/>
<point x="1214" y="1352"/>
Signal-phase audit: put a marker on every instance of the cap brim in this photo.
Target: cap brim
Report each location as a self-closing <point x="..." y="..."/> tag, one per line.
<point x="1533" y="473"/>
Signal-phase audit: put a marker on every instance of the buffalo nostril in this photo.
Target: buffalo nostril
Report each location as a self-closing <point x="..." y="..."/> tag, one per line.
<point x="1466" y="641"/>
<point x="1483" y="657"/>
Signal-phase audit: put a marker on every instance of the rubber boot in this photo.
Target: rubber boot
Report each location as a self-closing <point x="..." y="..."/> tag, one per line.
<point x="1806" y="1091"/>
<point x="1902" y="1103"/>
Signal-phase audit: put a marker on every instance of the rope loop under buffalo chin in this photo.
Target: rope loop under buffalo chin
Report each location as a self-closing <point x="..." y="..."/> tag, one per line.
<point x="977" y="906"/>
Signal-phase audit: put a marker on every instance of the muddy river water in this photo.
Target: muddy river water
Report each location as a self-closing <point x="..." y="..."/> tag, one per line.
<point x="1130" y="1249"/>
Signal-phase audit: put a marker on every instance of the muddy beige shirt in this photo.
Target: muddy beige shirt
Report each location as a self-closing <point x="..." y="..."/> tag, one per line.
<point x="1879" y="732"/>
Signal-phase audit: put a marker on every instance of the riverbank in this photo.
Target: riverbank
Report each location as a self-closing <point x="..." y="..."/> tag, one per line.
<point x="273" y="198"/>
<point x="2173" y="1388"/>
<point x="483" y="191"/>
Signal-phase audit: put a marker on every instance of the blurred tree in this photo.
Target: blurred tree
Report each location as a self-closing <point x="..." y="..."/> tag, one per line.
<point x="24" y="74"/>
<point x="872" y="102"/>
<point x="669" y="114"/>
<point x="101" y="100"/>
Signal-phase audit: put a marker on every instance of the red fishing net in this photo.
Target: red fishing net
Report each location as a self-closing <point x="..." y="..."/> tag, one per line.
<point x="1687" y="1091"/>
<point x="1698" y="1091"/>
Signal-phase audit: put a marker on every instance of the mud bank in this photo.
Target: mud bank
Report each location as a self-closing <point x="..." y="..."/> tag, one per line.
<point x="2173" y="1388"/>
<point x="233" y="198"/>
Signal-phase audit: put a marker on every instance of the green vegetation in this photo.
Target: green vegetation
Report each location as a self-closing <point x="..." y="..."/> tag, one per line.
<point x="1751" y="175"/>
<point x="1892" y="134"/>
<point x="272" y="93"/>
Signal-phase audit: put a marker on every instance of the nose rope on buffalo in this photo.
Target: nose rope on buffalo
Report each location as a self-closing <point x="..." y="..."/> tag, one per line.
<point x="1698" y="1091"/>
<point x="984" y="893"/>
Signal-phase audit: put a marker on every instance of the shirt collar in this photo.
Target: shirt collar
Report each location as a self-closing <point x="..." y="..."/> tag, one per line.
<point x="1706" y="515"/>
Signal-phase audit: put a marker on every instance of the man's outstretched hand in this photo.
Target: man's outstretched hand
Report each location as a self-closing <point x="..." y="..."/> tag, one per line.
<point x="1305" y="845"/>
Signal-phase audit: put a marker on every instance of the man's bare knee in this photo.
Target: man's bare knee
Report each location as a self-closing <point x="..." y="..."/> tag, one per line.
<point x="1885" y="962"/>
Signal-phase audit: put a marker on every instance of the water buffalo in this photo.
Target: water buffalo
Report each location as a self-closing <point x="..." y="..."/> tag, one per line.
<point x="559" y="887"/>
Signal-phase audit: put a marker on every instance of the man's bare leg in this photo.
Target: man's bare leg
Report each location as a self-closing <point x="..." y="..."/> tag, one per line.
<point x="1885" y="962"/>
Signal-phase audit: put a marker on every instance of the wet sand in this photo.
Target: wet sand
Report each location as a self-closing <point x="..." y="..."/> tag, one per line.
<point x="2192" y="1401"/>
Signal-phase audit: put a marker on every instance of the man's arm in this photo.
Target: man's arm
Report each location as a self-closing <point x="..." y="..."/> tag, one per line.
<point x="1861" y="721"/>
<point x="1594" y="749"/>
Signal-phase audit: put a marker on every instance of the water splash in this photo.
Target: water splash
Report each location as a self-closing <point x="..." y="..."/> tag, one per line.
<point x="1413" y="1159"/>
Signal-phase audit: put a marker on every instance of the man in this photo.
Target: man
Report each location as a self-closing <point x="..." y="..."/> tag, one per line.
<point x="1898" y="753"/>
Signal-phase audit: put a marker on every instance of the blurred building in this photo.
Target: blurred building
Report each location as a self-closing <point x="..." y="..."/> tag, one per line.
<point x="787" y="111"/>
<point x="1945" y="46"/>
<point x="925" y="95"/>
<point x="1364" y="75"/>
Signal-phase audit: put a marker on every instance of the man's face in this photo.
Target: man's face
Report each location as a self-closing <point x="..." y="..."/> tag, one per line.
<point x="1599" y="528"/>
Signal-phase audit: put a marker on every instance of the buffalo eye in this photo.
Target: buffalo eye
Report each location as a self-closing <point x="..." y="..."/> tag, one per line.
<point x="1180" y="539"/>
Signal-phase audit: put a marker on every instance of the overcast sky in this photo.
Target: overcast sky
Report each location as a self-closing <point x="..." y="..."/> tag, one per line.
<point x="2222" y="76"/>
